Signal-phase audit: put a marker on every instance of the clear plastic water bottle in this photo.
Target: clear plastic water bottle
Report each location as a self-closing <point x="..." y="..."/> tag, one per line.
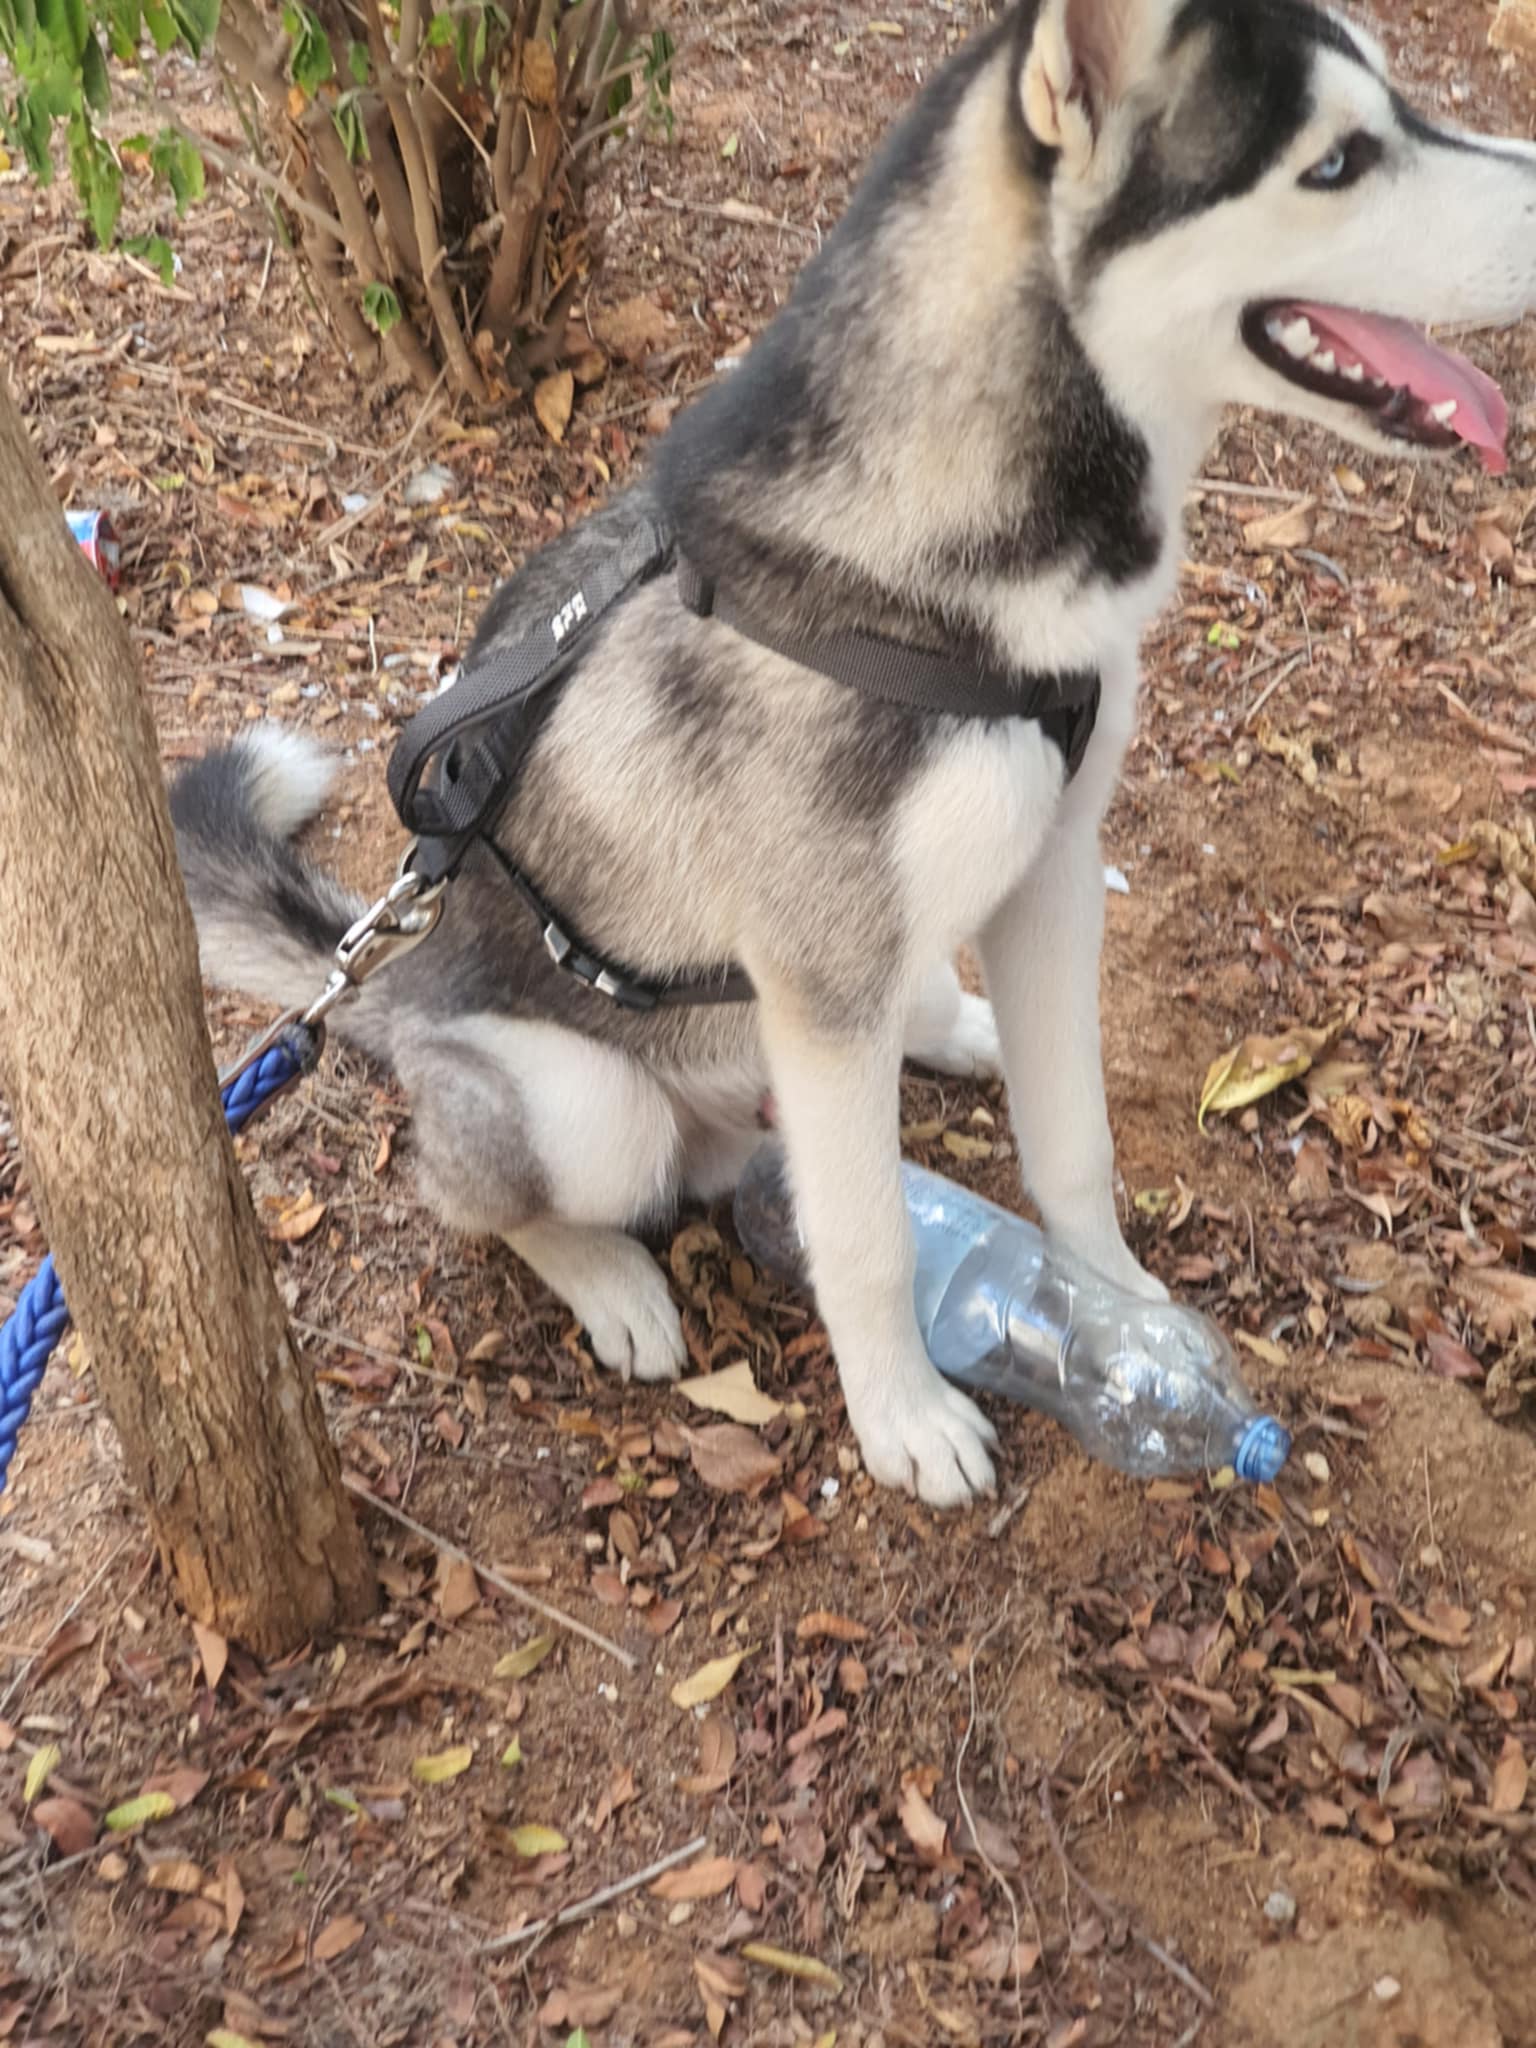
<point x="1148" y="1387"/>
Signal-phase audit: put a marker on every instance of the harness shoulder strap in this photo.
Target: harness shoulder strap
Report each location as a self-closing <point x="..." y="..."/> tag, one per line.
<point x="483" y="702"/>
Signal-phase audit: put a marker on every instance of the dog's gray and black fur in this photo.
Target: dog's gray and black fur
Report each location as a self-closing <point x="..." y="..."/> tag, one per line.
<point x="970" y="429"/>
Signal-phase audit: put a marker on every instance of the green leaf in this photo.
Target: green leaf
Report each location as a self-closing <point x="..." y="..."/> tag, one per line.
<point x="124" y="19"/>
<point x="358" y="61"/>
<point x="439" y="31"/>
<point x="348" y="118"/>
<point x="446" y="1765"/>
<point x="309" y="60"/>
<point x="161" y="23"/>
<point x="174" y="158"/>
<point x="93" y="76"/>
<point x="578" y="2039"/>
<point x="381" y="309"/>
<point x="134" y="1813"/>
<point x="729" y="147"/>
<point x="347" y="1801"/>
<point x="512" y="1755"/>
<point x="156" y="251"/>
<point x="97" y="176"/>
<point x="197" y="22"/>
<point x="620" y="93"/>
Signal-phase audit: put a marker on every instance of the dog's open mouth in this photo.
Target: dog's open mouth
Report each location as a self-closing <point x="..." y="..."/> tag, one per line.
<point x="1389" y="369"/>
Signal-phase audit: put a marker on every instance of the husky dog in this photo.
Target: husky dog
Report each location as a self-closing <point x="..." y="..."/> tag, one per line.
<point x="970" y="431"/>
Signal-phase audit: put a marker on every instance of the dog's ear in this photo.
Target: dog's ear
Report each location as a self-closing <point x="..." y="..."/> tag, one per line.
<point x="1083" y="57"/>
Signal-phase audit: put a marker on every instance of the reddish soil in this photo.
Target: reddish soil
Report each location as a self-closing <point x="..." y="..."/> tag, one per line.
<point x="1106" y="1762"/>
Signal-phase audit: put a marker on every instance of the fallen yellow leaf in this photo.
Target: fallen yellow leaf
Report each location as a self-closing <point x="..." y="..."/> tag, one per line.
<point x="536" y="1841"/>
<point x="552" y="401"/>
<point x="708" y="1682"/>
<point x="46" y="1761"/>
<point x="518" y="1663"/>
<point x="732" y="1392"/>
<point x="445" y="1765"/>
<point x="175" y="1874"/>
<point x="810" y="1969"/>
<point x="1259" y="1066"/>
<point x="136" y="1813"/>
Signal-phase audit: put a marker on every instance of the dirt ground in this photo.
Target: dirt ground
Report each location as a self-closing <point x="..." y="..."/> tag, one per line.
<point x="1100" y="1762"/>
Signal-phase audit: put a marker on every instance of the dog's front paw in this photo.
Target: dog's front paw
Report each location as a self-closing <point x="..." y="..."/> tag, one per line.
<point x="967" y="1045"/>
<point x="1131" y="1277"/>
<point x="931" y="1440"/>
<point x="628" y="1314"/>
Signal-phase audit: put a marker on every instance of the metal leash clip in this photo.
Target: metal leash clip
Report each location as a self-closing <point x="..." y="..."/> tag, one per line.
<point x="406" y="914"/>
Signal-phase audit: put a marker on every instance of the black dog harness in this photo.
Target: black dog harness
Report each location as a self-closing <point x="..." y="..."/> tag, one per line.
<point x="456" y="764"/>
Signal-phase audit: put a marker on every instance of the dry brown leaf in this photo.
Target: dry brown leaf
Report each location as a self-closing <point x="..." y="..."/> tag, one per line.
<point x="297" y="1222"/>
<point x="1291" y="528"/>
<point x="1511" y="1778"/>
<point x="337" y="1936"/>
<point x="812" y="1627"/>
<point x="458" y="1590"/>
<point x="705" y="1878"/>
<point x="922" y="1826"/>
<point x="71" y="1826"/>
<point x="213" y="1650"/>
<point x="175" y="1874"/>
<point x="731" y="1459"/>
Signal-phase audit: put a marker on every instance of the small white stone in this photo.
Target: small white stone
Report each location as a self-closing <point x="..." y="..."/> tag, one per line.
<point x="829" y="1489"/>
<point x="1280" y="1907"/>
<point x="1317" y="1467"/>
<point x="1386" y="1989"/>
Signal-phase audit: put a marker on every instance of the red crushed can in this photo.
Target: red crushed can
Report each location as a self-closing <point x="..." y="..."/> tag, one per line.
<point x="98" y="539"/>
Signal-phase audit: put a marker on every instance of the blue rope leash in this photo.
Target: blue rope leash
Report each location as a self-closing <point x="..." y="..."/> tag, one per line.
<point x="32" y="1331"/>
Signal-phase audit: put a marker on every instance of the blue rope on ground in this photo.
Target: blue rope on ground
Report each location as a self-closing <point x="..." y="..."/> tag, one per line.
<point x="31" y="1333"/>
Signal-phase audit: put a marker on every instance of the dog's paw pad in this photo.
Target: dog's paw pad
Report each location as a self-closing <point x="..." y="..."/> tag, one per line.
<point x="932" y="1441"/>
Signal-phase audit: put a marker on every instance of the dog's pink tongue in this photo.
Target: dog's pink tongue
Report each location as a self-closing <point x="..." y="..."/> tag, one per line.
<point x="1399" y="354"/>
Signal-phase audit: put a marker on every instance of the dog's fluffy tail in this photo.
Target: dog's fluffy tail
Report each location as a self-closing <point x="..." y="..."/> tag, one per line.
<point x="267" y="920"/>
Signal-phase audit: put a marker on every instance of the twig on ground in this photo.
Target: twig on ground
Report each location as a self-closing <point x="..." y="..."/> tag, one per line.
<point x="1005" y="1515"/>
<point x="1212" y="1765"/>
<point x="1270" y="688"/>
<point x="584" y="1908"/>
<point x="490" y="1574"/>
<point x="1494" y="735"/>
<point x="18" y="1678"/>
<point x="996" y="1875"/>
<point x="343" y="1342"/>
<point x="1110" y="1911"/>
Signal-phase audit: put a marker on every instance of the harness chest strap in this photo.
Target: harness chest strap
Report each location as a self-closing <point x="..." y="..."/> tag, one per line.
<point x="455" y="765"/>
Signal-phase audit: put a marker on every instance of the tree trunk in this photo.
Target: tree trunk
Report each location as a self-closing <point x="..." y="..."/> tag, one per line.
<point x="105" y="1060"/>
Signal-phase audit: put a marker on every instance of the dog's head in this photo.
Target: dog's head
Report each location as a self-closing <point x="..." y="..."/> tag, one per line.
<point x="1243" y="210"/>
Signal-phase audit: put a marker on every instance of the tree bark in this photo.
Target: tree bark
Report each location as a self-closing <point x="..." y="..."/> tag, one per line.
<point x="105" y="1060"/>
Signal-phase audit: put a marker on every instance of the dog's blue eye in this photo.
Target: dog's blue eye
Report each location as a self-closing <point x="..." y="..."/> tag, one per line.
<point x="1344" y="163"/>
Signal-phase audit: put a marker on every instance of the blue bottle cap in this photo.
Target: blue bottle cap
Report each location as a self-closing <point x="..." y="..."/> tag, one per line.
<point x="1262" y="1451"/>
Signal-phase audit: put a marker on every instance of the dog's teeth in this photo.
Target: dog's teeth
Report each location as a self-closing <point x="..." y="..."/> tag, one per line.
<point x="1444" y="413"/>
<point x="1355" y="372"/>
<point x="1325" y="362"/>
<point x="1297" y="339"/>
